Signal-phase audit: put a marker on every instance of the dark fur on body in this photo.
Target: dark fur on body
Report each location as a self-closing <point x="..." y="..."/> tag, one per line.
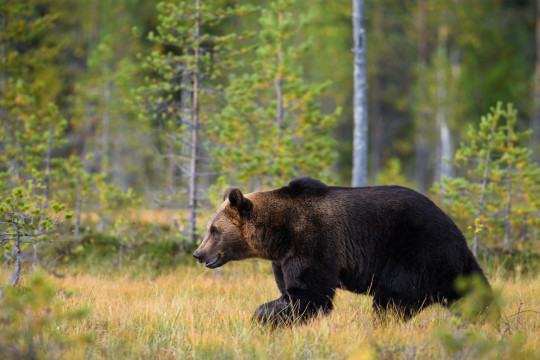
<point x="388" y="241"/>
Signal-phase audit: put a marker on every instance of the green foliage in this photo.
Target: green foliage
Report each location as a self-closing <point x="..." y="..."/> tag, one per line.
<point x="37" y="183"/>
<point x="154" y="250"/>
<point x="470" y="343"/>
<point x="26" y="55"/>
<point x="23" y="214"/>
<point x="32" y="321"/>
<point x="272" y="127"/>
<point x="179" y="56"/>
<point x="499" y="182"/>
<point x="480" y="302"/>
<point x="170" y="66"/>
<point x="106" y="92"/>
<point x="30" y="128"/>
<point x="392" y="174"/>
<point x="464" y="338"/>
<point x="517" y="264"/>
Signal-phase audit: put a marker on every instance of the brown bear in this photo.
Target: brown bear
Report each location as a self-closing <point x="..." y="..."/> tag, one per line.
<point x="387" y="241"/>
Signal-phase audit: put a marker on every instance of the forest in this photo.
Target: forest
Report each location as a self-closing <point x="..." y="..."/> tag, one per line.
<point x="124" y="121"/>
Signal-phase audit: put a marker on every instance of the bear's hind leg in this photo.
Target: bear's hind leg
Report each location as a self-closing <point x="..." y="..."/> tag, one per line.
<point x="387" y="305"/>
<point x="402" y="291"/>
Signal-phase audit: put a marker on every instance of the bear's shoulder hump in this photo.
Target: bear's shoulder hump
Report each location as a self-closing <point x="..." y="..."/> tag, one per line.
<point x="307" y="186"/>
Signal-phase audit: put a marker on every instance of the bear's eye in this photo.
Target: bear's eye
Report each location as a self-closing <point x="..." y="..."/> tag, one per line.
<point x="213" y="231"/>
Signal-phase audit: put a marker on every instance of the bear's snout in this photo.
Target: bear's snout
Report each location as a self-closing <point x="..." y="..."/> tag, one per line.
<point x="211" y="261"/>
<point x="197" y="257"/>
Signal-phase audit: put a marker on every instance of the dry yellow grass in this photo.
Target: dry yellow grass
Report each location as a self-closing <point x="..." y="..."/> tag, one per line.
<point x="195" y="313"/>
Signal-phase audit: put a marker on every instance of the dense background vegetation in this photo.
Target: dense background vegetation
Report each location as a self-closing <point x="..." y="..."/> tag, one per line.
<point x="122" y="122"/>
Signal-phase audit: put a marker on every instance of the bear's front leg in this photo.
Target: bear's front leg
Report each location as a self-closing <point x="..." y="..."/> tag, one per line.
<point x="278" y="275"/>
<point x="308" y="291"/>
<point x="274" y="312"/>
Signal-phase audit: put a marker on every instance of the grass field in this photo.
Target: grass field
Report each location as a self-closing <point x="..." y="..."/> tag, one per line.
<point x="195" y="313"/>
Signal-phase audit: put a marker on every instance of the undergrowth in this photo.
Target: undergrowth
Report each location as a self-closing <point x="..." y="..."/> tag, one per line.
<point x="190" y="312"/>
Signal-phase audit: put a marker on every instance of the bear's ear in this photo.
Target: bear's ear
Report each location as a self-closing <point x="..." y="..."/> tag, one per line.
<point x="237" y="200"/>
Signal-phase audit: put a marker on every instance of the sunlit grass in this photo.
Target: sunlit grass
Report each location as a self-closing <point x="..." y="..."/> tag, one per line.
<point x="193" y="312"/>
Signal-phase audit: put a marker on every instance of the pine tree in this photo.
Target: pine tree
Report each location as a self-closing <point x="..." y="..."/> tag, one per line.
<point x="272" y="128"/>
<point x="36" y="178"/>
<point x="498" y="187"/>
<point x="30" y="127"/>
<point x="29" y="195"/>
<point x="183" y="88"/>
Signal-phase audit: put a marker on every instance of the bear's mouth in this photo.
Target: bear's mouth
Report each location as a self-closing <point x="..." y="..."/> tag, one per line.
<point x="214" y="262"/>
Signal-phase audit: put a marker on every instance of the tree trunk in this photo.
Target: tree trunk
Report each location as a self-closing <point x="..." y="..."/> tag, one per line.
<point x="17" y="271"/>
<point x="171" y="164"/>
<point x="508" y="227"/>
<point x="105" y="129"/>
<point x="535" y="120"/>
<point x="421" y="147"/>
<point x="476" y="239"/>
<point x="377" y="123"/>
<point x="360" y="134"/>
<point x="186" y="105"/>
<point x="278" y="81"/>
<point x="445" y="140"/>
<point x="446" y="150"/>
<point x="194" y="135"/>
<point x="78" y="211"/>
<point x="47" y="181"/>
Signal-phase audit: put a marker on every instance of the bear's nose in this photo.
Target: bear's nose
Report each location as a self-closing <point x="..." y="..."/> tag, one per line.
<point x="197" y="256"/>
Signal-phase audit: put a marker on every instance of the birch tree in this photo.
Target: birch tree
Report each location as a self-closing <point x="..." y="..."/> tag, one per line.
<point x="360" y="134"/>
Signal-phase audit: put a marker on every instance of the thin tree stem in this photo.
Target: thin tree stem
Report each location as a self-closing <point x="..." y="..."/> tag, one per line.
<point x="507" y="225"/>
<point x="278" y="82"/>
<point x="535" y="119"/>
<point x="78" y="210"/>
<point x="194" y="133"/>
<point x="421" y="147"/>
<point x="17" y="271"/>
<point x="476" y="239"/>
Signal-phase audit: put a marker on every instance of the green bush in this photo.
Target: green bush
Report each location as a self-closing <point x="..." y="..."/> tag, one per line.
<point x="32" y="319"/>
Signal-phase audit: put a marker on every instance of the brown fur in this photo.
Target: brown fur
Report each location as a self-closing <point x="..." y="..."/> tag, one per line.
<point x="390" y="242"/>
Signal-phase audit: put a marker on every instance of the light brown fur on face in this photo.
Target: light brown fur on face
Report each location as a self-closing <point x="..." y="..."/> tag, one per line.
<point x="228" y="238"/>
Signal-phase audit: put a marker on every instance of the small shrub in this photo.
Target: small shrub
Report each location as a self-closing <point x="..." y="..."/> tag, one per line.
<point x="32" y="319"/>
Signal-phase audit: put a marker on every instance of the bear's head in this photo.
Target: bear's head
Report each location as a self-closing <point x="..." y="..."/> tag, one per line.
<point x="230" y="233"/>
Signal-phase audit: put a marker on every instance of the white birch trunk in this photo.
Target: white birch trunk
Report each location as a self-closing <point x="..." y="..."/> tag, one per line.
<point x="446" y="168"/>
<point x="445" y="151"/>
<point x="360" y="134"/>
